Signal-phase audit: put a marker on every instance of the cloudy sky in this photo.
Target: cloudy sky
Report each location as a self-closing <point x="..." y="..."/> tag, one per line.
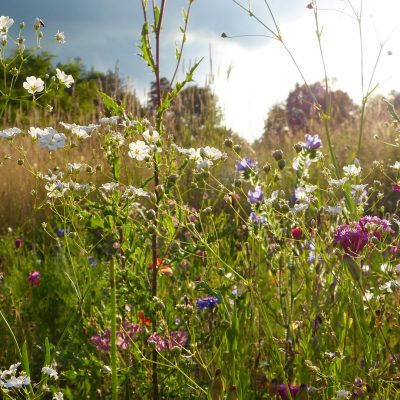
<point x="249" y="73"/>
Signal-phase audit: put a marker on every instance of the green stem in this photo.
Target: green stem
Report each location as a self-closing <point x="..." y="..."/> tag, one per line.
<point x="114" y="367"/>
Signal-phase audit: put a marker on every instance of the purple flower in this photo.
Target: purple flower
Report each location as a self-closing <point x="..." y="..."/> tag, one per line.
<point x="256" y="196"/>
<point x="127" y="332"/>
<point x="102" y="342"/>
<point x="169" y="340"/>
<point x="207" y="302"/>
<point x="34" y="278"/>
<point x="376" y="227"/>
<point x="244" y="165"/>
<point x="282" y="390"/>
<point x="313" y="142"/>
<point x="257" y="219"/>
<point x="352" y="238"/>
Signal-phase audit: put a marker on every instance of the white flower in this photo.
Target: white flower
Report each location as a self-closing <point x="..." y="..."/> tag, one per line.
<point x="202" y="164"/>
<point x="58" y="396"/>
<point x="338" y="182"/>
<point x="33" y="85"/>
<point x="56" y="189"/>
<point x="60" y="37"/>
<point x="5" y="24"/>
<point x="50" y="371"/>
<point x="111" y="120"/>
<point x="17" y="383"/>
<point x="352" y="170"/>
<point x="342" y="394"/>
<point x="10" y="133"/>
<point x="151" y="137"/>
<point x="396" y="166"/>
<point x="139" y="150"/>
<point x="51" y="139"/>
<point x="333" y="210"/>
<point x="107" y="369"/>
<point x="82" y="131"/>
<point x="390" y="286"/>
<point x="299" y="208"/>
<point x="131" y="191"/>
<point x="35" y="133"/>
<point x="86" y="188"/>
<point x="65" y="79"/>
<point x="117" y="138"/>
<point x="72" y="167"/>
<point x="110" y="186"/>
<point x="211" y="153"/>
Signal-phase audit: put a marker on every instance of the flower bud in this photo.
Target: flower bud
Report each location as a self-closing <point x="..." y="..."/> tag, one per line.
<point x="281" y="164"/>
<point x="22" y="25"/>
<point x="151" y="215"/>
<point x="237" y="183"/>
<point x="277" y="154"/>
<point x="298" y="147"/>
<point x="20" y="161"/>
<point x="237" y="148"/>
<point x="228" y="142"/>
<point x="267" y="167"/>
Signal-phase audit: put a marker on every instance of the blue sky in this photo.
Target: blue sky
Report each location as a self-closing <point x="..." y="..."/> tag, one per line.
<point x="102" y="32"/>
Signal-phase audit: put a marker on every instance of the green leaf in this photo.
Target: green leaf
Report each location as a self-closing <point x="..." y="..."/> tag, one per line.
<point x="111" y="105"/>
<point x="145" y="48"/>
<point x="25" y="358"/>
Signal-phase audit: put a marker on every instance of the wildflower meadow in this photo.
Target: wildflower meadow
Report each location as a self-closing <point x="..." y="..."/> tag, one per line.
<point x="147" y="252"/>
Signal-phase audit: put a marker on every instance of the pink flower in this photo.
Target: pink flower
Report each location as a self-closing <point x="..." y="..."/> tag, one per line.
<point x="396" y="188"/>
<point x="34" y="278"/>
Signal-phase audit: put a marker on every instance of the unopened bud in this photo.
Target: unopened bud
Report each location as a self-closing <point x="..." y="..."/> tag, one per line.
<point x="228" y="142"/>
<point x="277" y="154"/>
<point x="267" y="167"/>
<point x="237" y="148"/>
<point x="281" y="164"/>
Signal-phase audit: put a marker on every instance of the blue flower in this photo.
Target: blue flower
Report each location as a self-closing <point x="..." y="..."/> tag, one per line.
<point x="256" y="196"/>
<point x="207" y="302"/>
<point x="244" y="165"/>
<point x="63" y="232"/>
<point x="313" y="142"/>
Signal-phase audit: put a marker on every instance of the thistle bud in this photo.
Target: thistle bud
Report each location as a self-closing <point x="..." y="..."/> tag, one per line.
<point x="228" y="142"/>
<point x="281" y="164"/>
<point x="267" y="167"/>
<point x="277" y="154"/>
<point x="237" y="148"/>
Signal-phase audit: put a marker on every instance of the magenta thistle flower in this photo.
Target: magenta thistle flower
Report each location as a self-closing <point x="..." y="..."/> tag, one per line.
<point x="34" y="278"/>
<point x="352" y="238"/>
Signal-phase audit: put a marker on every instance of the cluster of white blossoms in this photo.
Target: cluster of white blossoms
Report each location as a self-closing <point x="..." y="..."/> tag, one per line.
<point x="51" y="372"/>
<point x="141" y="150"/>
<point x="132" y="192"/>
<point x="81" y="131"/>
<point x="203" y="156"/>
<point x="57" y="188"/>
<point x="36" y="85"/>
<point x="9" y="378"/>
